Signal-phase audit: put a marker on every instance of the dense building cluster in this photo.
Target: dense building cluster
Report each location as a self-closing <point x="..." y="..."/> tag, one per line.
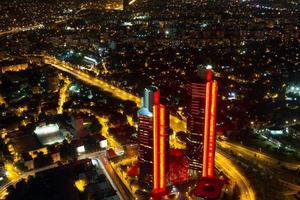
<point x="55" y="55"/>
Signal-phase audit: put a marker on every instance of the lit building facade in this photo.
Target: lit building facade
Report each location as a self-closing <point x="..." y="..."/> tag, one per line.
<point x="209" y="127"/>
<point x="159" y="145"/>
<point x="153" y="128"/>
<point x="200" y="94"/>
<point x="209" y="186"/>
<point x="145" y="122"/>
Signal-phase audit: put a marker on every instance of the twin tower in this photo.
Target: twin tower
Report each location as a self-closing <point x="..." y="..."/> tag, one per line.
<point x="153" y="127"/>
<point x="153" y="139"/>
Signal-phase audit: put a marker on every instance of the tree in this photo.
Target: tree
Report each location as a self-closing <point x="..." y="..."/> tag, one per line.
<point x="117" y="119"/>
<point x="42" y="160"/>
<point x="90" y="144"/>
<point x="11" y="190"/>
<point x="21" y="166"/>
<point x="95" y="127"/>
<point x="130" y="107"/>
<point x="68" y="151"/>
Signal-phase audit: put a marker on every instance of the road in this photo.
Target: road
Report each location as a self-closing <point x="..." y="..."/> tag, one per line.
<point x="4" y="187"/>
<point x="63" y="95"/>
<point x="16" y="30"/>
<point x="272" y="164"/>
<point x="257" y="155"/>
<point x="115" y="179"/>
<point x="104" y="165"/>
<point x="176" y="124"/>
<point x="223" y="163"/>
<point x="247" y="193"/>
<point x="31" y="27"/>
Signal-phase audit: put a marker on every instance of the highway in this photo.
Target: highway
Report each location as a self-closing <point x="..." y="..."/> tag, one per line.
<point x="223" y="163"/>
<point x="247" y="193"/>
<point x="32" y="27"/>
<point x="19" y="29"/>
<point x="176" y="124"/>
<point x="268" y="160"/>
<point x="272" y="164"/>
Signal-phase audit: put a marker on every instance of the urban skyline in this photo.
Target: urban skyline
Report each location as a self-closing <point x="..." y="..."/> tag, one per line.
<point x="149" y="99"/>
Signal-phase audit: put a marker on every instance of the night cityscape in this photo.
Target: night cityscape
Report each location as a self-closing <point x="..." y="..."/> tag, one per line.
<point x="150" y="99"/>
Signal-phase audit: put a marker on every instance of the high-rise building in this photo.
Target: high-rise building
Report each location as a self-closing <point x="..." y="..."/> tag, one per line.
<point x="196" y="119"/>
<point x="153" y="129"/>
<point x="211" y="94"/>
<point x="159" y="145"/>
<point x="209" y="186"/>
<point x="145" y="122"/>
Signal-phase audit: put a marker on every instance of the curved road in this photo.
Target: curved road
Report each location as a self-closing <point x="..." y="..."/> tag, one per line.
<point x="258" y="155"/>
<point x="23" y="176"/>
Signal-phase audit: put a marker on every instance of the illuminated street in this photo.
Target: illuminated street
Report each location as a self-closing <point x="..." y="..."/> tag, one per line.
<point x="149" y="100"/>
<point x="224" y="163"/>
<point x="18" y="177"/>
<point x="257" y="155"/>
<point x="16" y="30"/>
<point x="63" y="96"/>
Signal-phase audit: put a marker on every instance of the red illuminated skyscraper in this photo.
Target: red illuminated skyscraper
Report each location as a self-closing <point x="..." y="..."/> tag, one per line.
<point x="159" y="145"/>
<point x="145" y="132"/>
<point x="196" y="119"/>
<point x="209" y="186"/>
<point x="209" y="127"/>
<point x="153" y="139"/>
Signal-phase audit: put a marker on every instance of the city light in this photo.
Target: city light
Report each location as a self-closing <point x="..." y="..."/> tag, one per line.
<point x="80" y="184"/>
<point x="209" y="129"/>
<point x="159" y="143"/>
<point x="218" y="117"/>
<point x="46" y="129"/>
<point x="209" y="67"/>
<point x="80" y="149"/>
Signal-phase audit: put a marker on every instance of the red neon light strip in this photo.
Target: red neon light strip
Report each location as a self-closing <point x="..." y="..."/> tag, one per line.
<point x="159" y="173"/>
<point x="212" y="130"/>
<point x="162" y="184"/>
<point x="156" y="97"/>
<point x="155" y="149"/>
<point x="206" y="127"/>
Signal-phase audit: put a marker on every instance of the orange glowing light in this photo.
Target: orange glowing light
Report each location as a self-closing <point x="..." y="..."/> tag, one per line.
<point x="208" y="75"/>
<point x="206" y="127"/>
<point x="162" y="148"/>
<point x="212" y="130"/>
<point x="155" y="150"/>
<point x="159" y="173"/>
<point x="209" y="129"/>
<point x="156" y="97"/>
